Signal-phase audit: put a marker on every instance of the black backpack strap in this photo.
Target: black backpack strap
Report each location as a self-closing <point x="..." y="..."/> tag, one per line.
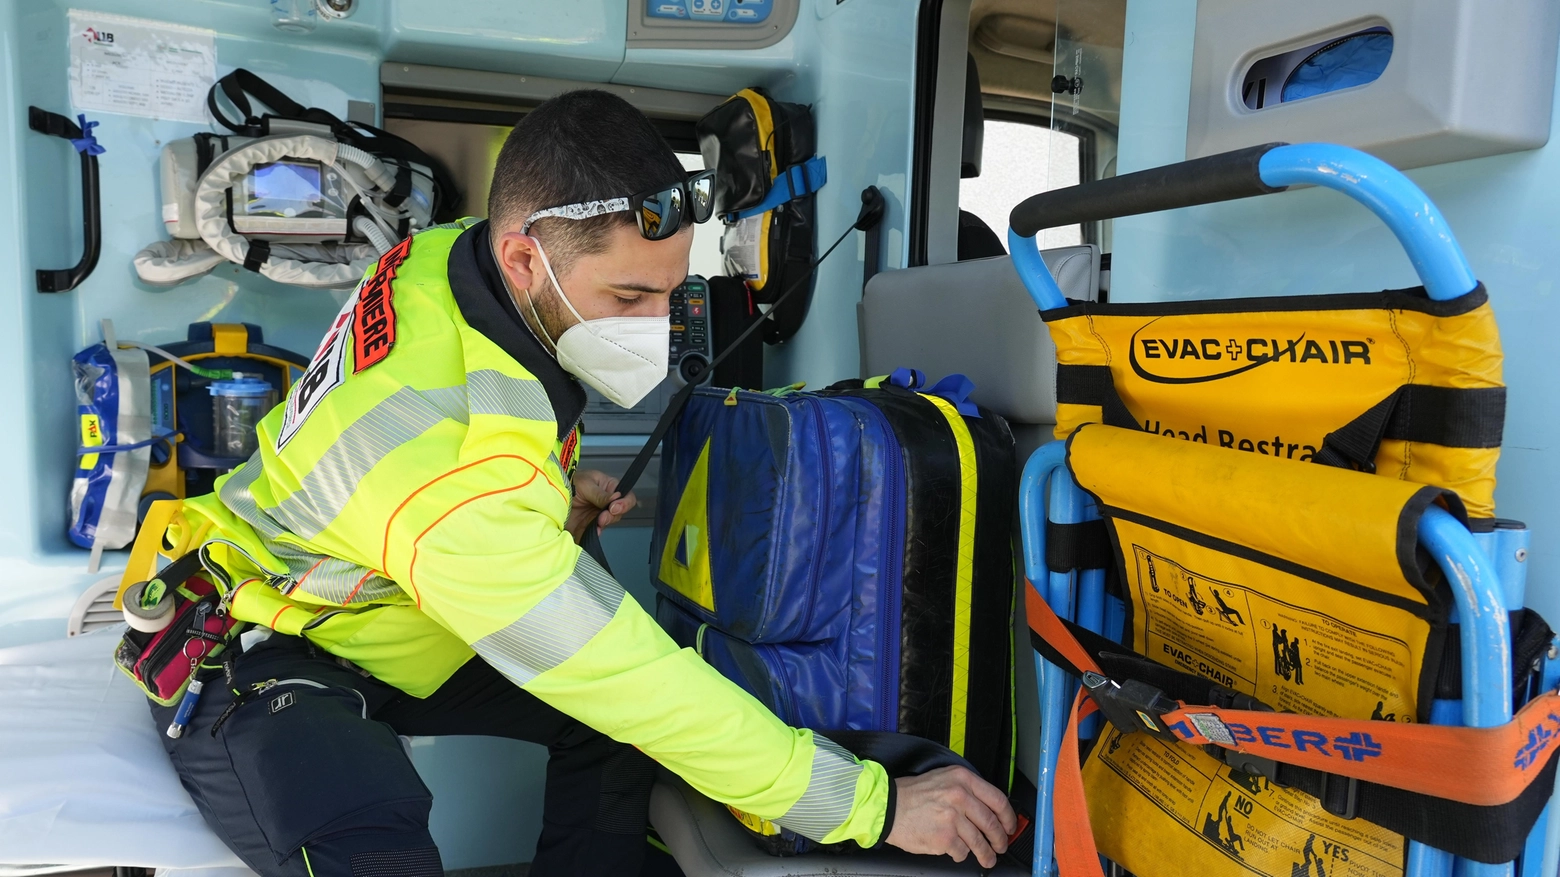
<point x="238" y="86"/>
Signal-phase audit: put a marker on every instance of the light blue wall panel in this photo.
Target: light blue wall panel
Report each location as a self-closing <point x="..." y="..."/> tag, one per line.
<point x="40" y="213"/>
<point x="42" y="225"/>
<point x="1505" y="210"/>
<point x="488" y="791"/>
<point x="567" y="39"/>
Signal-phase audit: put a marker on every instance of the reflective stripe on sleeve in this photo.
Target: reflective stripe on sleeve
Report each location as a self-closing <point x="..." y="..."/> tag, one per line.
<point x="493" y="392"/>
<point x="557" y="627"/>
<point x="236" y="495"/>
<point x="830" y="795"/>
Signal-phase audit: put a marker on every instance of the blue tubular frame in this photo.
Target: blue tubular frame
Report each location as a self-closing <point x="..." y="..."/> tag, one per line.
<point x="1403" y="206"/>
<point x="1475" y="577"/>
<point x="1476" y="588"/>
<point x="1055" y="687"/>
<point x="1406" y="210"/>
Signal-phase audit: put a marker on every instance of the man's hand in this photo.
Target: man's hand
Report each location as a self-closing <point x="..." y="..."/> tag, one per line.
<point x="950" y="811"/>
<point x="596" y="501"/>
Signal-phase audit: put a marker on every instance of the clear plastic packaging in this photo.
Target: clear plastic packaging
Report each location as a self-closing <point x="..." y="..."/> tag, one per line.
<point x="294" y="16"/>
<point x="237" y="406"/>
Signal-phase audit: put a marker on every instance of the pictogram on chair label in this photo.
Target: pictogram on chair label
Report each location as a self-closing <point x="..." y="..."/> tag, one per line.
<point x="1221" y="820"/>
<point x="1292" y="659"/>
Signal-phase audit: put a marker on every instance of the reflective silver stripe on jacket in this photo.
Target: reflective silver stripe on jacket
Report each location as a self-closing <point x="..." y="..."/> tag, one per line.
<point x="401" y="417"/>
<point x="397" y="419"/>
<point x="325" y="490"/>
<point x="331" y="578"/>
<point x="830" y="795"/>
<point x="557" y="627"/>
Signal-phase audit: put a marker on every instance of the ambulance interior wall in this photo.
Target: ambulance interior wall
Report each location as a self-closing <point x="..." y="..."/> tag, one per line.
<point x="852" y="61"/>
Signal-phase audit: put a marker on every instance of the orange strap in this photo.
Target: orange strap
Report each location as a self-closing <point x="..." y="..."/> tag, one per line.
<point x="1050" y="628"/>
<point x="1481" y="766"/>
<point x="1486" y="767"/>
<point x="1073" y="847"/>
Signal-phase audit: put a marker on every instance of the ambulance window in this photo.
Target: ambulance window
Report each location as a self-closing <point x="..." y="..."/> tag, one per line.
<point x="1022" y="158"/>
<point x="705" y="259"/>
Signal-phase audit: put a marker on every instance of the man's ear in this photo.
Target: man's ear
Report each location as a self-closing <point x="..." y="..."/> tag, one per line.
<point x="519" y="260"/>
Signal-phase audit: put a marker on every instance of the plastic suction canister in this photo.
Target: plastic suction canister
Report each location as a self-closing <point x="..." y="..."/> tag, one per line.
<point x="237" y="406"/>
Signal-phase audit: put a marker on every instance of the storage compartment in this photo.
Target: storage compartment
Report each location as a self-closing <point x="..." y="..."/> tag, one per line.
<point x="1414" y="82"/>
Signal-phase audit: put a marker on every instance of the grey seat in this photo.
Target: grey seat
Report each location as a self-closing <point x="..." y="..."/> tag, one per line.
<point x="976" y="318"/>
<point x="707" y="841"/>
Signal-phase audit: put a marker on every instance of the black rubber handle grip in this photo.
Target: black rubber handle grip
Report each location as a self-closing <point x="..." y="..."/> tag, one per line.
<point x="1223" y="177"/>
<point x="64" y="279"/>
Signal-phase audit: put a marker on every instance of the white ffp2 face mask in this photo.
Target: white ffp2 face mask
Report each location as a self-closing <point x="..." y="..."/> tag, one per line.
<point x="622" y="358"/>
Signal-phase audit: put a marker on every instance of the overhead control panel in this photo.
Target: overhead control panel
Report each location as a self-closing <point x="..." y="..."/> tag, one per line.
<point x="707" y="24"/>
<point x="732" y="11"/>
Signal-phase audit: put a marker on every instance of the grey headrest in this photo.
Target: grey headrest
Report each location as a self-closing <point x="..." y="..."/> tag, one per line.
<point x="977" y="319"/>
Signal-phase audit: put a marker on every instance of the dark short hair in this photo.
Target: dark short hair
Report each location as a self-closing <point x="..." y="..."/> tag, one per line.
<point x="579" y="146"/>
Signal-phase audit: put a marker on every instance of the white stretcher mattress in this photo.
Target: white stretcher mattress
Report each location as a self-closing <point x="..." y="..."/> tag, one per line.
<point x="84" y="780"/>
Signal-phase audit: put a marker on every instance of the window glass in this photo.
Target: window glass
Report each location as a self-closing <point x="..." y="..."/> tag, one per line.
<point x="1018" y="160"/>
<point x="704" y="259"/>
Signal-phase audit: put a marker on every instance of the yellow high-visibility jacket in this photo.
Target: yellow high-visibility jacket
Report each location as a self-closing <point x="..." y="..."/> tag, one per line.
<point x="406" y="510"/>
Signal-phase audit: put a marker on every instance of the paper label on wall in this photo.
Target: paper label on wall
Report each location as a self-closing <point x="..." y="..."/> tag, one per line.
<point x="139" y="67"/>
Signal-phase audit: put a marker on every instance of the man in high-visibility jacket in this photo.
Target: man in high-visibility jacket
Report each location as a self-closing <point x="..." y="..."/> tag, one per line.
<point x="408" y="534"/>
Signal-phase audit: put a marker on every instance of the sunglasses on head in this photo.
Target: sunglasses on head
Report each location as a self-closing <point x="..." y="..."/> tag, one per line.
<point x="660" y="212"/>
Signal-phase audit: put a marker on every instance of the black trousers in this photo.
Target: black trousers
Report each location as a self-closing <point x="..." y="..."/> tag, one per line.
<point x="308" y="778"/>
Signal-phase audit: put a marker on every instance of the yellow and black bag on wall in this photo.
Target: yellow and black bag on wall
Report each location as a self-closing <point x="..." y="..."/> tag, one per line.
<point x="765" y="175"/>
<point x="1389" y="382"/>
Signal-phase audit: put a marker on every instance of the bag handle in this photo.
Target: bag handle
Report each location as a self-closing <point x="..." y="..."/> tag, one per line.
<point x="238" y="86"/>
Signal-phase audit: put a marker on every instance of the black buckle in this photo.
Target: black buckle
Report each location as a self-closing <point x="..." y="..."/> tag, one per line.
<point x="1131" y="706"/>
<point x="1339" y="795"/>
<point x="1252" y="765"/>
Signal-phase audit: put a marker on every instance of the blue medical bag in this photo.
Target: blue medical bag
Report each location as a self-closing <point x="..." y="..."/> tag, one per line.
<point x="847" y="557"/>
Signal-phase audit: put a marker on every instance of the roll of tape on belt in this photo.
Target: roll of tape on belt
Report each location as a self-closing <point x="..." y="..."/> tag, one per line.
<point x="148" y="610"/>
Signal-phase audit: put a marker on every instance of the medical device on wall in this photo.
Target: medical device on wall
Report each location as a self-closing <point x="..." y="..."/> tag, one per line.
<point x="209" y="391"/>
<point x="766" y="174"/>
<point x="302" y="198"/>
<point x="690" y="355"/>
<point x="163" y="421"/>
<point x="704" y="24"/>
<point x="1413" y="82"/>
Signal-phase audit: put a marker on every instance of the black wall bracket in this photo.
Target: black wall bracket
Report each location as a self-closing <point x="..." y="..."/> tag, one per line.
<point x="56" y="125"/>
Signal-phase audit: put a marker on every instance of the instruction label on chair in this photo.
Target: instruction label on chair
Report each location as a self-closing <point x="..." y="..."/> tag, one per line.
<point x="1293" y="659"/>
<point x="1172" y="809"/>
<point x="1297" y="640"/>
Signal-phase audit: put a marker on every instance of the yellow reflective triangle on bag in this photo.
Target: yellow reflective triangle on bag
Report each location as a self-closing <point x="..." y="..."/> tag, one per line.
<point x="685" y="561"/>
